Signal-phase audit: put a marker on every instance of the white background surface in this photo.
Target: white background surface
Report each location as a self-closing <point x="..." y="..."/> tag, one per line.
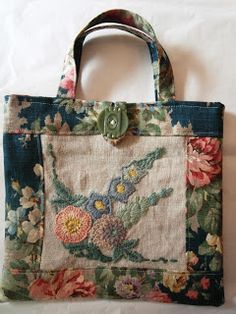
<point x="200" y="39"/>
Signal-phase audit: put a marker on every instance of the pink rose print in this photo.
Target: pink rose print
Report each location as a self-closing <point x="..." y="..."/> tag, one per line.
<point x="192" y="294"/>
<point x="204" y="160"/>
<point x="64" y="284"/>
<point x="157" y="295"/>
<point x="205" y="283"/>
<point x="68" y="83"/>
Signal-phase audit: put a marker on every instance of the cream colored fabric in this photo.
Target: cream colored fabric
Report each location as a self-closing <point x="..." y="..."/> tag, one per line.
<point x="88" y="163"/>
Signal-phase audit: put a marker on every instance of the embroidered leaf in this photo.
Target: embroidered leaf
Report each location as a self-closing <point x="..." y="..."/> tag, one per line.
<point x="124" y="250"/>
<point x="117" y="254"/>
<point x="161" y="259"/>
<point x="134" y="210"/>
<point x="64" y="195"/>
<point x="130" y="244"/>
<point x="148" y="160"/>
<point x="134" y="256"/>
<point x="88" y="250"/>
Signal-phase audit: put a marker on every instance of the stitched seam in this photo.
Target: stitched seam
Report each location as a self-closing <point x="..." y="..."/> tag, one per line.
<point x="39" y="148"/>
<point x="111" y="268"/>
<point x="137" y="104"/>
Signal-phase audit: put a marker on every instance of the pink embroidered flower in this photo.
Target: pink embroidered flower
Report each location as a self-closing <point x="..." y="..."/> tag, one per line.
<point x="204" y="160"/>
<point x="64" y="284"/>
<point x="72" y="224"/>
<point x="192" y="294"/>
<point x="205" y="283"/>
<point x="108" y="232"/>
<point x="68" y="83"/>
<point x="157" y="295"/>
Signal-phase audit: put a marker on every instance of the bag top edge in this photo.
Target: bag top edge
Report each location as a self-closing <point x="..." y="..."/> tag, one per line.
<point x="170" y="102"/>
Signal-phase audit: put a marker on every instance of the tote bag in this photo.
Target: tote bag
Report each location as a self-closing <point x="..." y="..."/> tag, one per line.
<point x="113" y="200"/>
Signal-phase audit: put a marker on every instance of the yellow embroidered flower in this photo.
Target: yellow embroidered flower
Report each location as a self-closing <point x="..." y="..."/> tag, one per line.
<point x="72" y="224"/>
<point x="98" y="205"/>
<point x="214" y="240"/>
<point x="133" y="173"/>
<point x="175" y="282"/>
<point x="120" y="189"/>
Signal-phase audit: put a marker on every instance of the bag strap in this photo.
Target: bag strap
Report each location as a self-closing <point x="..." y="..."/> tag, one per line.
<point x="132" y="23"/>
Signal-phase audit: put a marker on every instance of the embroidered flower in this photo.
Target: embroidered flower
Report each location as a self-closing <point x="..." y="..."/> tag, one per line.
<point x="192" y="294"/>
<point x="98" y="205"/>
<point x="33" y="228"/>
<point x="120" y="189"/>
<point x="64" y="284"/>
<point x="72" y="224"/>
<point x="157" y="295"/>
<point x="128" y="287"/>
<point x="175" y="282"/>
<point x="132" y="172"/>
<point x="215" y="241"/>
<point x="205" y="283"/>
<point x="29" y="198"/>
<point x="204" y="160"/>
<point x="108" y="232"/>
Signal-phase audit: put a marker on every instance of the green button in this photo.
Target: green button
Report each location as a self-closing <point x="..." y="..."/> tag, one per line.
<point x="113" y="121"/>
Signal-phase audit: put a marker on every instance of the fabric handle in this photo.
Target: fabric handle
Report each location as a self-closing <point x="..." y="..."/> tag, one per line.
<point x="132" y="23"/>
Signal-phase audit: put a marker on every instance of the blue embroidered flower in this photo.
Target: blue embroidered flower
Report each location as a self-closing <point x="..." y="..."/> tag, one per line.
<point x="133" y="173"/>
<point x="120" y="189"/>
<point x="98" y="205"/>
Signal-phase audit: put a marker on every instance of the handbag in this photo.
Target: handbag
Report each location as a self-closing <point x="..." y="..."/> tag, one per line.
<point x="113" y="200"/>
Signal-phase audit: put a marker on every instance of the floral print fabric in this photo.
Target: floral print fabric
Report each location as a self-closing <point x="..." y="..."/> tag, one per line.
<point x="162" y="71"/>
<point x="27" y="118"/>
<point x="36" y="115"/>
<point x="23" y="279"/>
